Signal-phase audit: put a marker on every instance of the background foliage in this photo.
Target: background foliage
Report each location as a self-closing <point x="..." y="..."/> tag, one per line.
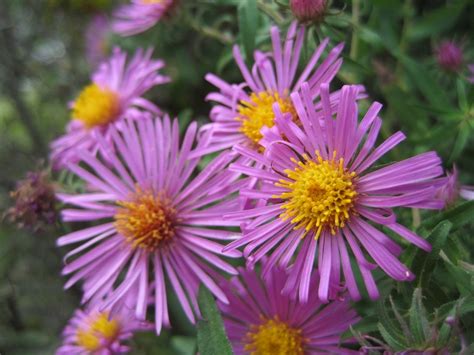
<point x="389" y="49"/>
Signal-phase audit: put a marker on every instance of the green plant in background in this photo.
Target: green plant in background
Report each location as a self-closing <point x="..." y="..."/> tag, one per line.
<point x="397" y="50"/>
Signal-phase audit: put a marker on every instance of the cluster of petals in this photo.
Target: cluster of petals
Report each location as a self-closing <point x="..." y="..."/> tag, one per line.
<point x="95" y="331"/>
<point x="95" y="38"/>
<point x="160" y="220"/>
<point x="140" y="15"/>
<point x="127" y="81"/>
<point x="254" y="301"/>
<point x="274" y="72"/>
<point x="145" y="155"/>
<point x="408" y="183"/>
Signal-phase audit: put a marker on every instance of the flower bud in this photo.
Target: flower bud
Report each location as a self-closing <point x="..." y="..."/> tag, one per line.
<point x="34" y="202"/>
<point x="450" y="56"/>
<point x="308" y="10"/>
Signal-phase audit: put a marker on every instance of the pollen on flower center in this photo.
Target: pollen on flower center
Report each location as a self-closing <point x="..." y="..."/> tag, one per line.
<point x="258" y="112"/>
<point x="321" y="194"/>
<point x="96" y="106"/>
<point x="150" y="2"/>
<point x="274" y="337"/>
<point x="147" y="220"/>
<point x="100" y="331"/>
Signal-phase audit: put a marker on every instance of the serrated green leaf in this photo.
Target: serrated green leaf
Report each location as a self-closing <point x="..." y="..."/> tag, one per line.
<point x="211" y="336"/>
<point x="248" y="24"/>
<point x="425" y="263"/>
<point x="458" y="216"/>
<point x="419" y="324"/>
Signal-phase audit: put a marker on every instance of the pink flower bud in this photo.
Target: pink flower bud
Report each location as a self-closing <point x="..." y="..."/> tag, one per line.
<point x="450" y="56"/>
<point x="308" y="10"/>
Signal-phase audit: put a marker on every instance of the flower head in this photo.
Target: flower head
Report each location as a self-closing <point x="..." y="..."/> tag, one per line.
<point x="259" y="319"/>
<point x="323" y="193"/>
<point x="158" y="219"/>
<point x="450" y="56"/>
<point x="115" y="93"/>
<point x="35" y="201"/>
<point x="96" y="39"/>
<point x="140" y="15"/>
<point x="243" y="109"/>
<point x="308" y="10"/>
<point x="98" y="332"/>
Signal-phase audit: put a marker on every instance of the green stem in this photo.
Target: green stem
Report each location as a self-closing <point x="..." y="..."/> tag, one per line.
<point x="355" y="24"/>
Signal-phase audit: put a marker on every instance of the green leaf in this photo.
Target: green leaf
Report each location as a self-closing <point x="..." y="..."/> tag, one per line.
<point x="458" y="216"/>
<point x="463" y="279"/>
<point x="425" y="83"/>
<point x="461" y="141"/>
<point x="184" y="345"/>
<point x="211" y="336"/>
<point x="395" y="343"/>
<point x="248" y="24"/>
<point x="389" y="329"/>
<point x="419" y="324"/>
<point x="424" y="264"/>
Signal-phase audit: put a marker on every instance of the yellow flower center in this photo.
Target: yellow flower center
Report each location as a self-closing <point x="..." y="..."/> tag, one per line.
<point x="101" y="330"/>
<point x="147" y="220"/>
<point x="258" y="112"/>
<point x="274" y="338"/>
<point x="96" y="106"/>
<point x="321" y="194"/>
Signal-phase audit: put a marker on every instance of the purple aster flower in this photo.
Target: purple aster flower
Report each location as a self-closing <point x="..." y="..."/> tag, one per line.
<point x="319" y="196"/>
<point x="259" y="319"/>
<point x="96" y="39"/>
<point x="98" y="332"/>
<point x="140" y="15"/>
<point x="242" y="110"/>
<point x="156" y="218"/>
<point x="115" y="93"/>
<point x="451" y="189"/>
<point x="450" y="56"/>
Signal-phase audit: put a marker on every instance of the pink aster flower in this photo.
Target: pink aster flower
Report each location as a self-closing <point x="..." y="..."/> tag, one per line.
<point x="451" y="189"/>
<point x="243" y="109"/>
<point x="259" y="319"/>
<point x="115" y="93"/>
<point x="98" y="332"/>
<point x="320" y="198"/>
<point x="156" y="218"/>
<point x="96" y="39"/>
<point x="450" y="56"/>
<point x="140" y="15"/>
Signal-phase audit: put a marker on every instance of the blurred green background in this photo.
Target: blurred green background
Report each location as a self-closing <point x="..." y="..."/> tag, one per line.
<point x="390" y="48"/>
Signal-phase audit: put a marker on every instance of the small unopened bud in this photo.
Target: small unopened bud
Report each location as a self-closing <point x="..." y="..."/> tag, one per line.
<point x="450" y="56"/>
<point x="307" y="11"/>
<point x="34" y="202"/>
